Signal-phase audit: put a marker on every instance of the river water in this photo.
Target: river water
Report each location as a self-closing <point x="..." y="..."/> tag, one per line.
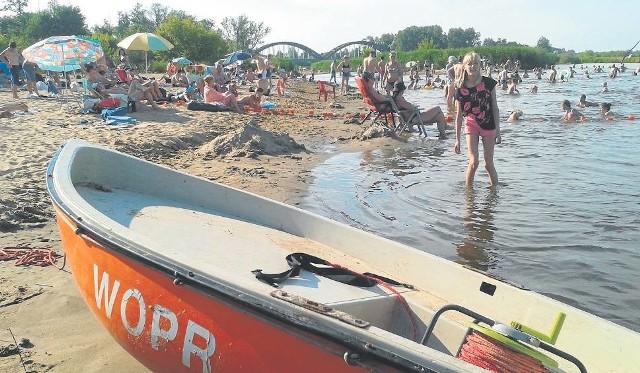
<point x="564" y="219"/>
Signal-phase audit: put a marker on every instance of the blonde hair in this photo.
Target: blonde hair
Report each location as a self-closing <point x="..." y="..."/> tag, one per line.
<point x="208" y="78"/>
<point x="468" y="58"/>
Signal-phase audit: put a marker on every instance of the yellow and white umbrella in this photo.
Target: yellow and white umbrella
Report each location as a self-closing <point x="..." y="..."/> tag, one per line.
<point x="145" y="41"/>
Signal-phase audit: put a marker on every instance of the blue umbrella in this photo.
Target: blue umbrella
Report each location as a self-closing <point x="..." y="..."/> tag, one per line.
<point x="236" y="56"/>
<point x="182" y="61"/>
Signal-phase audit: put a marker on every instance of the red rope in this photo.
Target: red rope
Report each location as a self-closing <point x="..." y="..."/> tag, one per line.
<point x="402" y="300"/>
<point x="489" y="354"/>
<point x="26" y="256"/>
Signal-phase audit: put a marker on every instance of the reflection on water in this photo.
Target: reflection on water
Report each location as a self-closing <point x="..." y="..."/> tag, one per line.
<point x="478" y="221"/>
<point x="563" y="220"/>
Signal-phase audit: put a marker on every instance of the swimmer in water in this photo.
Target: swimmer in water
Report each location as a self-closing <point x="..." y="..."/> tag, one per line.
<point x="605" y="110"/>
<point x="515" y="116"/>
<point x="571" y="115"/>
<point x="584" y="103"/>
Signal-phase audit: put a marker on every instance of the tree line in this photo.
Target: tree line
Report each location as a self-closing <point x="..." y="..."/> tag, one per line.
<point x="200" y="40"/>
<point x="205" y="41"/>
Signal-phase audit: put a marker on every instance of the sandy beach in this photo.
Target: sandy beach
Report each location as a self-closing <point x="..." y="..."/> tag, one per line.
<point x="270" y="155"/>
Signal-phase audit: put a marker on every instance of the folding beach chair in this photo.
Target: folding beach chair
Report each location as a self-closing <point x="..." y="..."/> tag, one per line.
<point x="381" y="109"/>
<point x="409" y="118"/>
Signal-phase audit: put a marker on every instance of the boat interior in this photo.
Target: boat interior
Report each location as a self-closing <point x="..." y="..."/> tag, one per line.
<point x="395" y="309"/>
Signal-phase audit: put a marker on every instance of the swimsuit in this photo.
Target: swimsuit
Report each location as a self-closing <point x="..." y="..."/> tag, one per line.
<point x="15" y="74"/>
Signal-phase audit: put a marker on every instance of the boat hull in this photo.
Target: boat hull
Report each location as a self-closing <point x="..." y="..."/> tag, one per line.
<point x="170" y="327"/>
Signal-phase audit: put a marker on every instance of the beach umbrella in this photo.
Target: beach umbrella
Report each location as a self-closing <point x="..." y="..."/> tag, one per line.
<point x="63" y="53"/>
<point x="236" y="56"/>
<point x="145" y="41"/>
<point x="181" y="61"/>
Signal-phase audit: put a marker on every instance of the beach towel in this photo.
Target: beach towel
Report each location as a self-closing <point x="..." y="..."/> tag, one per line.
<point x="267" y="105"/>
<point x="118" y="112"/>
<point x="201" y="106"/>
<point x="119" y="120"/>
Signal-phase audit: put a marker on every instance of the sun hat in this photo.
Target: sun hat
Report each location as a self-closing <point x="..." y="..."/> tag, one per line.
<point x="452" y="59"/>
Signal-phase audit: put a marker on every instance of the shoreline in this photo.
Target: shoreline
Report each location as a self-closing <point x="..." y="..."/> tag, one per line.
<point x="259" y="153"/>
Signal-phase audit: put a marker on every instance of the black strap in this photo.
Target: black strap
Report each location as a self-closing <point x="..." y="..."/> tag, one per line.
<point x="323" y="268"/>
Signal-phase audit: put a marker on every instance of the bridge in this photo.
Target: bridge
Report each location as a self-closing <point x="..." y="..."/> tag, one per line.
<point x="313" y="55"/>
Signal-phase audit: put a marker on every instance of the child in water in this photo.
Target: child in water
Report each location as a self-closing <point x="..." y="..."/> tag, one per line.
<point x="476" y="102"/>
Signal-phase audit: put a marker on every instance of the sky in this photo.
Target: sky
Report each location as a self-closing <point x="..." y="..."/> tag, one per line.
<point x="322" y="25"/>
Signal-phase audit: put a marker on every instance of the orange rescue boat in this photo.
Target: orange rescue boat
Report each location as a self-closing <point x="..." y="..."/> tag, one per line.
<point x="189" y="275"/>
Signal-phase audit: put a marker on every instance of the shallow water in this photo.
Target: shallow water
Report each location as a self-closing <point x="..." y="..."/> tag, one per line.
<point x="562" y="222"/>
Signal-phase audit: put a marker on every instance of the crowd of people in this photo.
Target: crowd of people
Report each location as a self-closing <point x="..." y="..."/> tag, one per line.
<point x="125" y="83"/>
<point x="468" y="88"/>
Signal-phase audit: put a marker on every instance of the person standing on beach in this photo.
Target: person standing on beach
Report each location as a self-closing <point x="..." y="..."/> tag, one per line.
<point x="393" y="72"/>
<point x="381" y="78"/>
<point x="346" y="74"/>
<point x="13" y="58"/>
<point x="450" y="69"/>
<point x="370" y="65"/>
<point x="333" y="72"/>
<point x="476" y="102"/>
<point x="29" y="69"/>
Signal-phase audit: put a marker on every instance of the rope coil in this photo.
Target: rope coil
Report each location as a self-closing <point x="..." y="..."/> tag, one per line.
<point x="491" y="355"/>
<point x="27" y="256"/>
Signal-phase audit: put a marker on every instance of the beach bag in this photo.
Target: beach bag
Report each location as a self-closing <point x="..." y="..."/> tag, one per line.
<point x="109" y="103"/>
<point x="117" y="112"/>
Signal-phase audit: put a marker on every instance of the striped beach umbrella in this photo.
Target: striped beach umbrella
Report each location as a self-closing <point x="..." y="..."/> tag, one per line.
<point x="63" y="53"/>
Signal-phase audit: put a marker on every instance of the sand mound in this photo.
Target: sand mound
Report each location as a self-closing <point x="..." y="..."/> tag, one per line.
<point x="250" y="141"/>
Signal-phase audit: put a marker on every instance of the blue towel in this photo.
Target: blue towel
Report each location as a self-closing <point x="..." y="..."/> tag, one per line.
<point x="117" y="112"/>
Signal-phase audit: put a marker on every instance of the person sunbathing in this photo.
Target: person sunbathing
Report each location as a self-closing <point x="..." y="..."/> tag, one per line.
<point x="251" y="101"/>
<point x="213" y="96"/>
<point x="429" y="116"/>
<point x="179" y="79"/>
<point x="135" y="92"/>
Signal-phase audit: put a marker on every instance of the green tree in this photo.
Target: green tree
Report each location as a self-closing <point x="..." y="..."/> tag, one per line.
<point x="208" y="24"/>
<point x="16" y="6"/>
<point x="543" y="43"/>
<point x="409" y="38"/>
<point x="57" y="20"/>
<point x="192" y="40"/>
<point x="134" y="20"/>
<point x="386" y="40"/>
<point x="158" y="13"/>
<point x="242" y="33"/>
<point x="462" y="38"/>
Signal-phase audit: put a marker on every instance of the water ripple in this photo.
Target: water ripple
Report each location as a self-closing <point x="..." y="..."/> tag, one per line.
<point x="562" y="222"/>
